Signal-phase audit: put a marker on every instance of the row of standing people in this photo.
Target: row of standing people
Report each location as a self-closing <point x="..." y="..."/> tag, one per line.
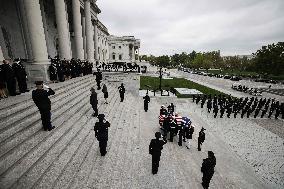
<point x="11" y="74"/>
<point x="61" y="70"/>
<point x="243" y="106"/>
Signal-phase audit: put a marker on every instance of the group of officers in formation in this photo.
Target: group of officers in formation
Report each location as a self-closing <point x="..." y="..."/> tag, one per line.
<point x="11" y="74"/>
<point x="244" y="106"/>
<point x="61" y="70"/>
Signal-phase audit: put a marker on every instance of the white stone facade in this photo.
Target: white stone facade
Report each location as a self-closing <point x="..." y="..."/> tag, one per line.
<point x="123" y="49"/>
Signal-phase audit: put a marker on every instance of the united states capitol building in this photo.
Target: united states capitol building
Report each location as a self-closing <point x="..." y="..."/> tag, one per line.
<point x="38" y="30"/>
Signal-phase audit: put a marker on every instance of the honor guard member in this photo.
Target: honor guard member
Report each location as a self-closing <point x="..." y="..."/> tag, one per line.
<point x="40" y="98"/>
<point x="155" y="149"/>
<point x="121" y="90"/>
<point x="173" y="127"/>
<point x="201" y="138"/>
<point x="146" y="102"/>
<point x="53" y="71"/>
<point x="163" y="111"/>
<point x="9" y="77"/>
<point x="94" y="101"/>
<point x="21" y="76"/>
<point x="208" y="169"/>
<point x="101" y="133"/>
<point x="171" y="108"/>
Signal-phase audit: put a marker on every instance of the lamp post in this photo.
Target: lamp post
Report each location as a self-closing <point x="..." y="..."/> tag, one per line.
<point x="160" y="86"/>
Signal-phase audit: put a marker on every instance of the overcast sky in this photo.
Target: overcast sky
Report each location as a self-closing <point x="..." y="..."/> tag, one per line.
<point x="173" y="26"/>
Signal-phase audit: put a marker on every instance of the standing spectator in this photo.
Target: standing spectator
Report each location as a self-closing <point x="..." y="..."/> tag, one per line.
<point x="208" y="169"/>
<point x="201" y="138"/>
<point x="99" y="78"/>
<point x="104" y="90"/>
<point x="101" y="133"/>
<point x="121" y="90"/>
<point x="2" y="84"/>
<point x="155" y="149"/>
<point x="10" y="78"/>
<point x="146" y="102"/>
<point x="94" y="101"/>
<point x="40" y="98"/>
<point x="21" y="76"/>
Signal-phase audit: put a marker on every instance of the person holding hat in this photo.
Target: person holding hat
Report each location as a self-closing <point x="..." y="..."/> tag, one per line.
<point x="101" y="133"/>
<point x="208" y="169"/>
<point x="155" y="149"/>
<point x="201" y="138"/>
<point x="40" y="98"/>
<point x="94" y="101"/>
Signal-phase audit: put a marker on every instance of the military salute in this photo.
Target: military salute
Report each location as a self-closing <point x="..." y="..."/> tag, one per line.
<point x="101" y="133"/>
<point x="40" y="98"/>
<point x="155" y="149"/>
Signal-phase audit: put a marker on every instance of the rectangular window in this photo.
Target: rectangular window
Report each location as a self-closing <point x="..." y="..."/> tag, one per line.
<point x="120" y="57"/>
<point x="113" y="47"/>
<point x="113" y="56"/>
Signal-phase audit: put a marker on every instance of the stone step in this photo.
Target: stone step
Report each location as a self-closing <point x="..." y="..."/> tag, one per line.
<point x="23" y="98"/>
<point x="50" y="177"/>
<point x="81" y="177"/>
<point x="71" y="169"/>
<point x="22" y="110"/>
<point x="20" y="122"/>
<point x="41" y="150"/>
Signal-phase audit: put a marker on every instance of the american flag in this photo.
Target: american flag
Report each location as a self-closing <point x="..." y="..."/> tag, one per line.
<point x="161" y="119"/>
<point x="178" y="119"/>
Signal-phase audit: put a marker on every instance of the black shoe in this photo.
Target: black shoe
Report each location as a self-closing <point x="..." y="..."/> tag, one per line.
<point x="27" y="90"/>
<point x="51" y="128"/>
<point x="18" y="93"/>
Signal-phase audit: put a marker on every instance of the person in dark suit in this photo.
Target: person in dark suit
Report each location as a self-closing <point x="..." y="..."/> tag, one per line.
<point x="208" y="169"/>
<point x="10" y="78"/>
<point x="155" y="149"/>
<point x="21" y="76"/>
<point x="146" y="102"/>
<point x="99" y="78"/>
<point x="2" y="84"/>
<point x="201" y="138"/>
<point x="121" y="90"/>
<point x="94" y="101"/>
<point x="40" y="98"/>
<point x="101" y="133"/>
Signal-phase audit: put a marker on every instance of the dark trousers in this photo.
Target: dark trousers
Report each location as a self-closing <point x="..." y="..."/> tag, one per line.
<point x="22" y="84"/>
<point x="199" y="144"/>
<point x="145" y="107"/>
<point x="99" y="84"/>
<point x="11" y="86"/>
<point x="45" y="118"/>
<point x="155" y="163"/>
<point x="95" y="108"/>
<point x="206" y="179"/>
<point x="103" y="145"/>
<point x="172" y="132"/>
<point x="121" y="97"/>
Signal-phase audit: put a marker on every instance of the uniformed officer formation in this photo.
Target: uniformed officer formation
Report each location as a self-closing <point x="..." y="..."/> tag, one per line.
<point x="12" y="73"/>
<point x="61" y="70"/>
<point x="182" y="127"/>
<point x="245" y="107"/>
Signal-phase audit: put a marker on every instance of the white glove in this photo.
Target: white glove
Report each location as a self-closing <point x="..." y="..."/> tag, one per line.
<point x="46" y="86"/>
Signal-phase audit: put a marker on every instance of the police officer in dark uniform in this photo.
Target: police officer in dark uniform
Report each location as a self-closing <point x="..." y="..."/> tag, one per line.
<point x="94" y="101"/>
<point x="121" y="90"/>
<point x="101" y="133"/>
<point x="155" y="149"/>
<point x="21" y="76"/>
<point x="40" y="98"/>
<point x="146" y="102"/>
<point x="9" y="76"/>
<point x="208" y="169"/>
<point x="201" y="138"/>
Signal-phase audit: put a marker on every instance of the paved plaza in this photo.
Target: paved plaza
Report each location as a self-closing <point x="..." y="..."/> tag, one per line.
<point x="249" y="154"/>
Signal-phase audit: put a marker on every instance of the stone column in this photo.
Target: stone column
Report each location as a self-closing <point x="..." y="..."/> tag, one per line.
<point x="84" y="36"/>
<point x="37" y="70"/>
<point x="96" y="41"/>
<point x="1" y="55"/>
<point x="133" y="53"/>
<point x="89" y="32"/>
<point x="62" y="28"/>
<point x="77" y="29"/>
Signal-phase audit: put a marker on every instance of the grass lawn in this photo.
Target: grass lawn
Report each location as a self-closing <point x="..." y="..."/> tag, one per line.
<point x="167" y="84"/>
